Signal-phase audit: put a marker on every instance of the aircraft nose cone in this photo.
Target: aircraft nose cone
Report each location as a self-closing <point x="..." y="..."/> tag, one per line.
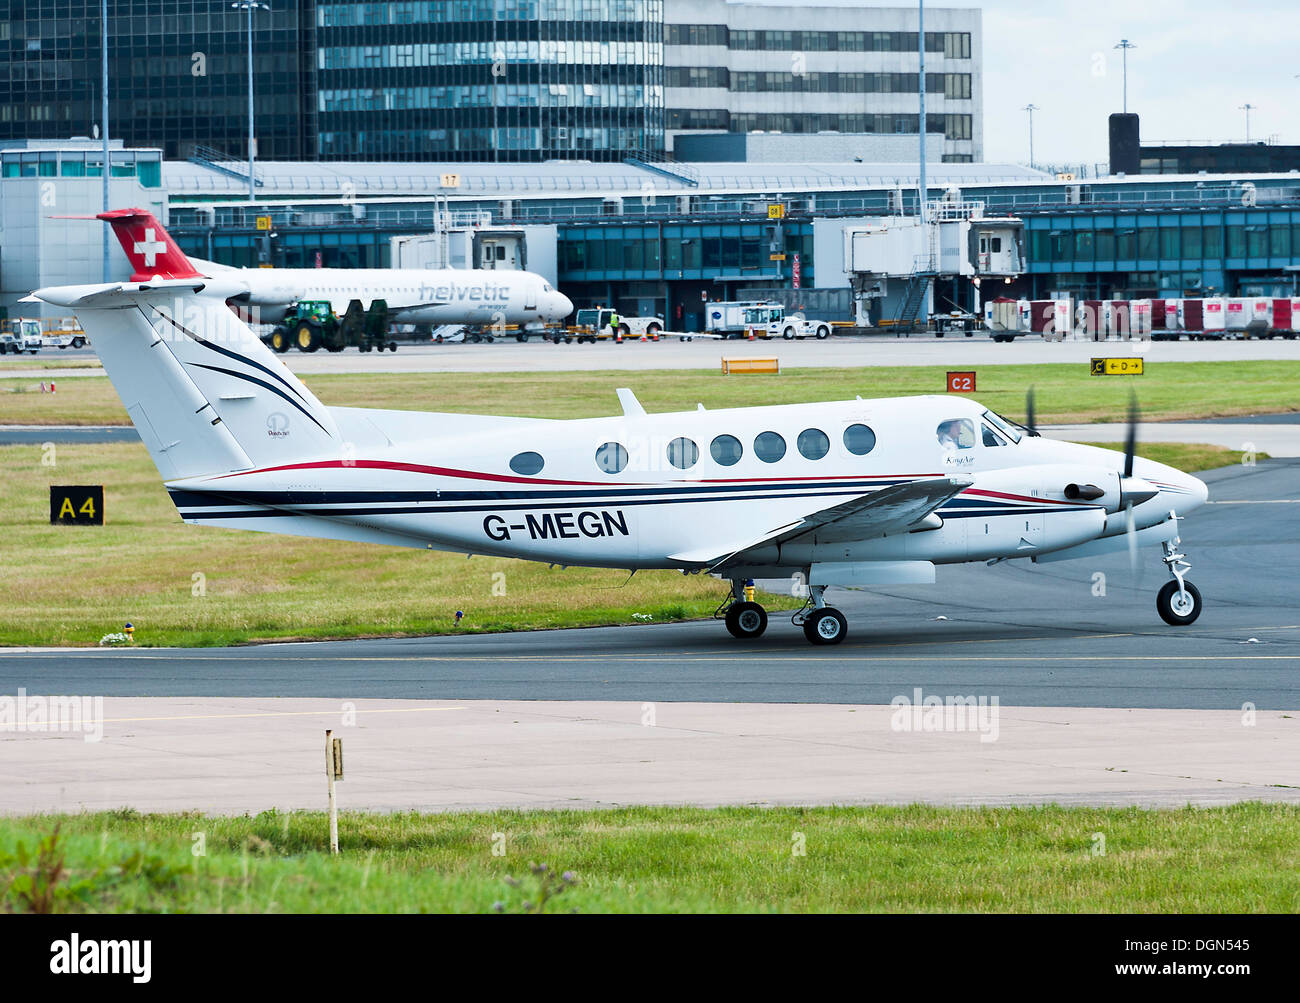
<point x="563" y="306"/>
<point x="1200" y="491"/>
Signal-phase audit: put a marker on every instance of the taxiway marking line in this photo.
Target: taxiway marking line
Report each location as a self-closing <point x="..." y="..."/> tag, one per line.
<point x="286" y="713"/>
<point x="1258" y="501"/>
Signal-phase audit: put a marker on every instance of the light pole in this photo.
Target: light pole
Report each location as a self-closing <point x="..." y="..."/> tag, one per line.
<point x="250" y="5"/>
<point x="1247" y="108"/>
<point x="1125" y="44"/>
<point x="103" y="124"/>
<point x="1031" y="108"/>
<point x="921" y="46"/>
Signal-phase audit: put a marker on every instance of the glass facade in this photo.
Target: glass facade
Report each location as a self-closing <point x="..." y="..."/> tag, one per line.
<point x="488" y="80"/>
<point x="177" y="71"/>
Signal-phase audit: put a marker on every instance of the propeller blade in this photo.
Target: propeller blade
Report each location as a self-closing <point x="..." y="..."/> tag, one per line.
<point x="1130" y="445"/>
<point x="1130" y="529"/>
<point x="1029" y="412"/>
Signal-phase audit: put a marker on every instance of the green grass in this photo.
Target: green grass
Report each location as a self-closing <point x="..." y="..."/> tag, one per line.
<point x="71" y="585"/>
<point x="1065" y="392"/>
<point x="1236" y="859"/>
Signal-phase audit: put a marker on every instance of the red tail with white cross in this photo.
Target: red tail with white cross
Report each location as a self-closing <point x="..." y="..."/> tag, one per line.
<point x="152" y="252"/>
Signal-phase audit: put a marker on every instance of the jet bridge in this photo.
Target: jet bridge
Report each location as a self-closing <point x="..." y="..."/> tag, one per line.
<point x="954" y="240"/>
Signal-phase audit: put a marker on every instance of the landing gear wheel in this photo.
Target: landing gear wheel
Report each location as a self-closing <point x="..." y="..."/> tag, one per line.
<point x="826" y="626"/>
<point x="1179" y="607"/>
<point x="746" y="620"/>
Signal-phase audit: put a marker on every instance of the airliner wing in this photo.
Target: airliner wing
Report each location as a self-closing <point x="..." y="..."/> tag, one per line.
<point x="889" y="510"/>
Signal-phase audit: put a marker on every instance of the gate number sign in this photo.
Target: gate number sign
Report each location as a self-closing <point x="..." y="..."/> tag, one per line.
<point x="77" y="506"/>
<point x="961" y="383"/>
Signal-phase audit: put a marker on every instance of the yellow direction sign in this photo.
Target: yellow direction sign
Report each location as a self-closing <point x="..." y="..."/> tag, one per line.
<point x="776" y="210"/>
<point x="264" y="222"/>
<point x="1117" y="367"/>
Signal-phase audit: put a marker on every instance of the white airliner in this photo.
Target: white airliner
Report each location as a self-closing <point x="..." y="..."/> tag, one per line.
<point x="848" y="493"/>
<point x="480" y="297"/>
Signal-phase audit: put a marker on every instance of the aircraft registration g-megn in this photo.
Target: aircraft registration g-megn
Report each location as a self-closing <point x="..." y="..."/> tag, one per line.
<point x="414" y="296"/>
<point x="851" y="493"/>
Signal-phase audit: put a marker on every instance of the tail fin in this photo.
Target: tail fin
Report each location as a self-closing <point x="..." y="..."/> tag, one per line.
<point x="205" y="394"/>
<point x="152" y="252"/>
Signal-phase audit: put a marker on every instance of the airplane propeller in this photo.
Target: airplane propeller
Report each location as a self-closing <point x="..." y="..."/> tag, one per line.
<point x="1029" y="412"/>
<point x="1132" y="492"/>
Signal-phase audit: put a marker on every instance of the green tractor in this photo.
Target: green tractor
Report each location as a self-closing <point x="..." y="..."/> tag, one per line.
<point x="312" y="325"/>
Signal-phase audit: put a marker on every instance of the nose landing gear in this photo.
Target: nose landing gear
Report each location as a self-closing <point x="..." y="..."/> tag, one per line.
<point x="1179" y="601"/>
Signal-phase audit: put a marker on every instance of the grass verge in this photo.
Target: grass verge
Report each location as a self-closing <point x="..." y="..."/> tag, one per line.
<point x="1234" y="859"/>
<point x="1066" y="393"/>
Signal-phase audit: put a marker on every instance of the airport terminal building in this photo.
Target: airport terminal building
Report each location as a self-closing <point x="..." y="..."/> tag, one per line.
<point x="661" y="239"/>
<point x="490" y="80"/>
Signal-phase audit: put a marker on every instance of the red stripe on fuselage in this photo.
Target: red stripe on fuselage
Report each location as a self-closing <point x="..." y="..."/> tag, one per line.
<point x="418" y="468"/>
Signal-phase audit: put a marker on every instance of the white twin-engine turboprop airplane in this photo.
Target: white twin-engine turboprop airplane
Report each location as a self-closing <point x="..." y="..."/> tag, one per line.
<point x="851" y="493"/>
<point x="414" y="296"/>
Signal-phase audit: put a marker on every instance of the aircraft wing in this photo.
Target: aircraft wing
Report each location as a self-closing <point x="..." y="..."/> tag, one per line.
<point x="889" y="510"/>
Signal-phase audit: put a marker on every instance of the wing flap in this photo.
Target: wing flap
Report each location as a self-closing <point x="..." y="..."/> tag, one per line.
<point x="894" y="509"/>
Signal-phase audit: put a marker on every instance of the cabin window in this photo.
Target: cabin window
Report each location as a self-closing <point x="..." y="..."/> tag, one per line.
<point x="859" y="440"/>
<point x="527" y="464"/>
<point x="991" y="438"/>
<point x="769" y="447"/>
<point x="611" y="458"/>
<point x="726" y="450"/>
<point x="813" y="444"/>
<point x="956" y="433"/>
<point x="683" y="453"/>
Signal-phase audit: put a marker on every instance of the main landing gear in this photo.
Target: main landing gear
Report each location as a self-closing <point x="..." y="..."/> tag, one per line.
<point x="747" y="620"/>
<point x="1179" y="601"/>
<point x="821" y="624"/>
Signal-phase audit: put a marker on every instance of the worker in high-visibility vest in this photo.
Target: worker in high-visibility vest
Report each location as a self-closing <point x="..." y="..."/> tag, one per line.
<point x="613" y="322"/>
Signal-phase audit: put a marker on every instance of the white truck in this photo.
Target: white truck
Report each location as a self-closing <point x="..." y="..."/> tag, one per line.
<point x="764" y="320"/>
<point x="20" y="335"/>
<point x="597" y="324"/>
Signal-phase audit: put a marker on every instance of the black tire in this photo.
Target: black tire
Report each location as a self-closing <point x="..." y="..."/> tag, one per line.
<point x="823" y="333"/>
<point x="521" y="338"/>
<point x="624" y="330"/>
<point x="746" y="620"/>
<point x="307" y="338"/>
<point x="1175" y="611"/>
<point x="653" y="331"/>
<point x="788" y="334"/>
<point x="826" y="626"/>
<point x="392" y="346"/>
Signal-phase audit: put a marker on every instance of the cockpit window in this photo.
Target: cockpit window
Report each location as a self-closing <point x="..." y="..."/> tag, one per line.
<point x="956" y="433"/>
<point x="1002" y="425"/>
<point x="992" y="438"/>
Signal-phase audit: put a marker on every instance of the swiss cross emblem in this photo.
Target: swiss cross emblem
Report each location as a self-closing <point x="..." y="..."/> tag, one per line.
<point x="150" y="247"/>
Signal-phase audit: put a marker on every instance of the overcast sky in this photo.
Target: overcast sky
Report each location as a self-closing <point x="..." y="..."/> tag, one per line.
<point x="1197" y="62"/>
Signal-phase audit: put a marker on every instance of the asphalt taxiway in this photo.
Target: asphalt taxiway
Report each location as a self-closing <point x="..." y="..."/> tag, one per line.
<point x="1073" y="634"/>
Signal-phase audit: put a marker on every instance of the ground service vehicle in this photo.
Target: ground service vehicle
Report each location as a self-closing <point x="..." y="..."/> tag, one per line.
<point x="596" y="324"/>
<point x="312" y="325"/>
<point x="20" y="335"/>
